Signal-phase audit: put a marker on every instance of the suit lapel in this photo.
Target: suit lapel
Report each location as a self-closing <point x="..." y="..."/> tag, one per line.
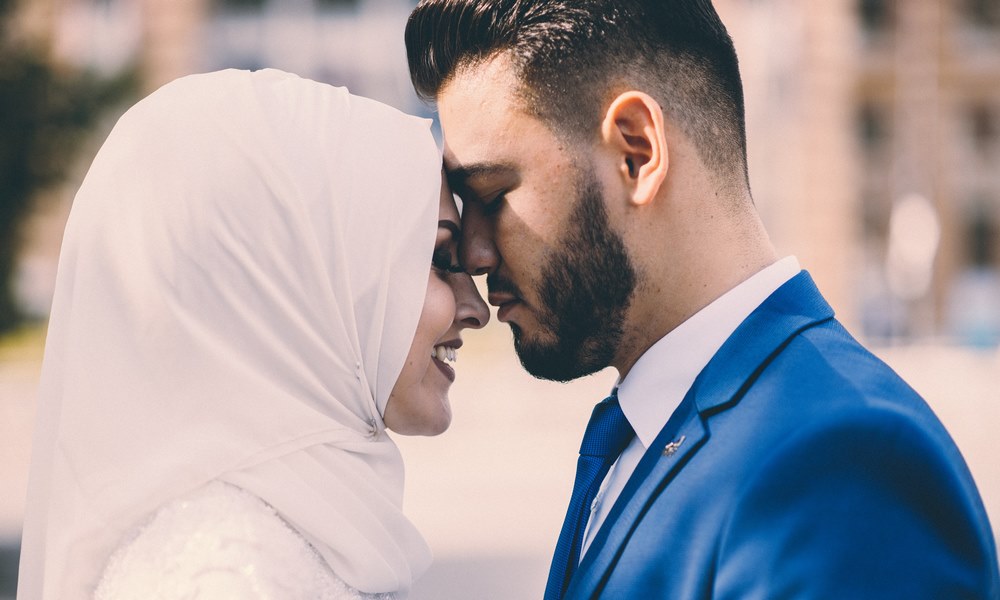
<point x="657" y="467"/>
<point x="795" y="306"/>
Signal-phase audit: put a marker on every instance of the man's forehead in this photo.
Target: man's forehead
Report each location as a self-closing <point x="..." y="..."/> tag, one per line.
<point x="496" y="71"/>
<point x="475" y="149"/>
<point x="477" y="102"/>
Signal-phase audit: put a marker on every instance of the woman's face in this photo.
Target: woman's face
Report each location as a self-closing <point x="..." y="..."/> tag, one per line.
<point x="418" y="403"/>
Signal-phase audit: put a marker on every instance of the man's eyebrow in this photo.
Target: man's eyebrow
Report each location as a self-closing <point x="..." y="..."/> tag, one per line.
<point x="458" y="176"/>
<point x="456" y="231"/>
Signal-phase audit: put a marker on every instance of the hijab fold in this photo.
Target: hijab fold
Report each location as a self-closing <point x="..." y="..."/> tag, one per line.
<point x="240" y="280"/>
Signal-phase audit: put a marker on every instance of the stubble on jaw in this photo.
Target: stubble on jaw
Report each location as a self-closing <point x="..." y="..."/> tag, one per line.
<point x="585" y="291"/>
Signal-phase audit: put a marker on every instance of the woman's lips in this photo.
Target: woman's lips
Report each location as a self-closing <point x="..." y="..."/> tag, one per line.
<point x="445" y="368"/>
<point x="444" y="353"/>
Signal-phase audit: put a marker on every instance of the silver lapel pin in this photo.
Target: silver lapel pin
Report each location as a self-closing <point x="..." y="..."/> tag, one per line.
<point x="672" y="447"/>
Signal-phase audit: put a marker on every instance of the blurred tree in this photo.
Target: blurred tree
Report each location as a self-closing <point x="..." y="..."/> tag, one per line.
<point x="45" y="112"/>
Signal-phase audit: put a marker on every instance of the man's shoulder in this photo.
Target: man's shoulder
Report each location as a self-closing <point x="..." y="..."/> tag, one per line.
<point x="825" y="392"/>
<point x="826" y="361"/>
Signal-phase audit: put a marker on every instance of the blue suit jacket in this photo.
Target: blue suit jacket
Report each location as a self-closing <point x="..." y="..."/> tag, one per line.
<point x="808" y="469"/>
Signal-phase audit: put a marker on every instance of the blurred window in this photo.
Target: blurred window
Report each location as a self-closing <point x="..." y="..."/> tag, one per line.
<point x="984" y="13"/>
<point x="241" y="5"/>
<point x="876" y="15"/>
<point x="873" y="127"/>
<point x="874" y="215"/>
<point x="981" y="230"/>
<point x="336" y="4"/>
<point x="983" y="127"/>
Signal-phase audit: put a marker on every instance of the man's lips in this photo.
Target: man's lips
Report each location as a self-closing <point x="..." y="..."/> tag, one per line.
<point x="505" y="301"/>
<point x="503" y="294"/>
<point x="501" y="298"/>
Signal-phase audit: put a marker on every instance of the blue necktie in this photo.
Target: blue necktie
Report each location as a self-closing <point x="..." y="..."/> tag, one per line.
<point x="608" y="432"/>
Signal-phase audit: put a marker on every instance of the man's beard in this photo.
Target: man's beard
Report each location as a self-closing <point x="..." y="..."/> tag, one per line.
<point x="585" y="291"/>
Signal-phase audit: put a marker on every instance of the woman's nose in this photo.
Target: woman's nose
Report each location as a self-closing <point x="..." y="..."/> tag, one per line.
<point x="470" y="310"/>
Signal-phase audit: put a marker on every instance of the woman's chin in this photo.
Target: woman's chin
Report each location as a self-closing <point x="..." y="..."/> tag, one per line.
<point x="436" y="429"/>
<point x="428" y="424"/>
<point x="427" y="430"/>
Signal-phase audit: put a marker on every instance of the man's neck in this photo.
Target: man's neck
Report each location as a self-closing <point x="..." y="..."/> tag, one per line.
<point x="659" y="307"/>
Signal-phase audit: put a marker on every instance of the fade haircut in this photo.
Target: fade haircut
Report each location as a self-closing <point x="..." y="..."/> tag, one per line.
<point x="573" y="57"/>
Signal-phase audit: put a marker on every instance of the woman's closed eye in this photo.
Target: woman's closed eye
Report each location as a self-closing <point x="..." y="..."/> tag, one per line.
<point x="445" y="257"/>
<point x="443" y="261"/>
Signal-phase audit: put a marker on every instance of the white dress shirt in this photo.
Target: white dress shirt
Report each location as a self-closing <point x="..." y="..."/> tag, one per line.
<point x="659" y="380"/>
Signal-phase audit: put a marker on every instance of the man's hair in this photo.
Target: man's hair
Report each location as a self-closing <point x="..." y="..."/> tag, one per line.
<point x="573" y="57"/>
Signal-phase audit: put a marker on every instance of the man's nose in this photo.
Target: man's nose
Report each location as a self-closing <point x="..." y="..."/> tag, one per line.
<point x="478" y="251"/>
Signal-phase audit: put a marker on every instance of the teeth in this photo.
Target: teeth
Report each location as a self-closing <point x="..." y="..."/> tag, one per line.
<point x="445" y="353"/>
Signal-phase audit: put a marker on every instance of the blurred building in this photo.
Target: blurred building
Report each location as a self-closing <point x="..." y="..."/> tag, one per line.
<point x="357" y="43"/>
<point x="874" y="134"/>
<point x="874" y="125"/>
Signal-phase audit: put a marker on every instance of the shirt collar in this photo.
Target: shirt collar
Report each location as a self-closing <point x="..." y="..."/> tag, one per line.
<point x="658" y="381"/>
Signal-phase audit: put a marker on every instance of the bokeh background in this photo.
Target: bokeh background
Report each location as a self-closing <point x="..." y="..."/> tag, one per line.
<point x="874" y="141"/>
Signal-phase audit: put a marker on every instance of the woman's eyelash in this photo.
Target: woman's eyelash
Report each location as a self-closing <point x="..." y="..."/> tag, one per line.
<point x="442" y="262"/>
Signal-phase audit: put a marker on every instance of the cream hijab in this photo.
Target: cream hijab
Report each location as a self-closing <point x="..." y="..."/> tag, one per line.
<point x="240" y="280"/>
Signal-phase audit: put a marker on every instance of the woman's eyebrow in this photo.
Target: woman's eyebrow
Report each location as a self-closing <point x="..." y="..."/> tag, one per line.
<point x="451" y="226"/>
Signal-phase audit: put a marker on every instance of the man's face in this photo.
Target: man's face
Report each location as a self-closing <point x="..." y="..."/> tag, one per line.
<point x="535" y="221"/>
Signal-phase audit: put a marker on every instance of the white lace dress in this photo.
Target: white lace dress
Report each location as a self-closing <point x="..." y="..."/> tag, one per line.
<point x="221" y="543"/>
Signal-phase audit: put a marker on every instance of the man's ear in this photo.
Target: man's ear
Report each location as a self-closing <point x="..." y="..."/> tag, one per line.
<point x="633" y="129"/>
